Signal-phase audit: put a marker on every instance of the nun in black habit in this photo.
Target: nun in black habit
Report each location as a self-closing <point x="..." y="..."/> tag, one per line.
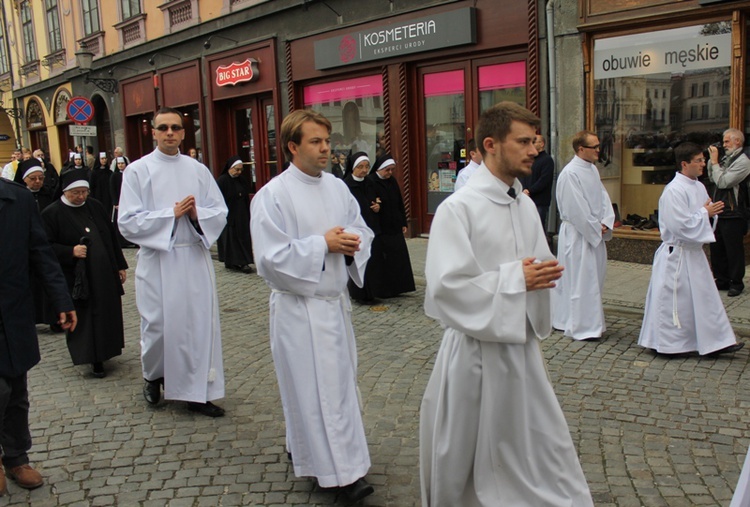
<point x="363" y="190"/>
<point x="80" y="231"/>
<point x="397" y="273"/>
<point x="234" y="244"/>
<point x="100" y="176"/>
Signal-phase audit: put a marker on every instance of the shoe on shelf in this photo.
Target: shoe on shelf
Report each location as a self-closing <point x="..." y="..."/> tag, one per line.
<point x="726" y="350"/>
<point x="152" y="391"/>
<point x="734" y="292"/>
<point x="207" y="408"/>
<point x="358" y="490"/>
<point x="97" y="370"/>
<point x="25" y="476"/>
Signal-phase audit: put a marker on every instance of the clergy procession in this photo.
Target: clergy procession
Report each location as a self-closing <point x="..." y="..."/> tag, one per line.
<point x="492" y="416"/>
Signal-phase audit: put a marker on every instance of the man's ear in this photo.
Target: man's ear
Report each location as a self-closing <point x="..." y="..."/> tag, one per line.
<point x="292" y="147"/>
<point x="490" y="147"/>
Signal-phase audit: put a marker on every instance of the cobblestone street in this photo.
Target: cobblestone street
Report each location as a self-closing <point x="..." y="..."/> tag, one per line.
<point x="650" y="431"/>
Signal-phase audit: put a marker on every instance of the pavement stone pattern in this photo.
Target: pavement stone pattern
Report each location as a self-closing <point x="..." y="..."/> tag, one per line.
<point x="649" y="431"/>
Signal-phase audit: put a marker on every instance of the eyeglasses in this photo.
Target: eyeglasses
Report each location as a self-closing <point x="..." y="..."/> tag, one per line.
<point x="595" y="147"/>
<point x="164" y="128"/>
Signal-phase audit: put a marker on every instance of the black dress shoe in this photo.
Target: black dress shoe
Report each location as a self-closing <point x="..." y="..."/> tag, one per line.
<point x="726" y="350"/>
<point x="97" y="370"/>
<point x="734" y="292"/>
<point x="357" y="490"/>
<point x="152" y="391"/>
<point x="207" y="408"/>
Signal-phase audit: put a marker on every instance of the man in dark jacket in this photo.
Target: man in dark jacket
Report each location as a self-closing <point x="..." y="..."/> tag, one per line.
<point x="538" y="185"/>
<point x="25" y="252"/>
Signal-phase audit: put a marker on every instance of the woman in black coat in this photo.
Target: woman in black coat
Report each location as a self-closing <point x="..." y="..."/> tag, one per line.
<point x="100" y="176"/>
<point x="84" y="241"/>
<point x="115" y="185"/>
<point x="357" y="167"/>
<point x="234" y="244"/>
<point x="397" y="275"/>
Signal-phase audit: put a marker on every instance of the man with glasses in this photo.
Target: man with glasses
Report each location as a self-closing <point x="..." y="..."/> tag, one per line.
<point x="587" y="219"/>
<point x="684" y="312"/>
<point x="729" y="175"/>
<point x="172" y="207"/>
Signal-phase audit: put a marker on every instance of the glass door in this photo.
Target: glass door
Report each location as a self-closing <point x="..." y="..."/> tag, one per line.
<point x="254" y="123"/>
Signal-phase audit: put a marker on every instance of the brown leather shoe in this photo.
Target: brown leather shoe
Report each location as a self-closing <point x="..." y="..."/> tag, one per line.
<point x="3" y="484"/>
<point x="25" y="476"/>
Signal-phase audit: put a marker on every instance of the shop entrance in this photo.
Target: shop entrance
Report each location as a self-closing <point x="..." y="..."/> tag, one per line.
<point x="254" y="139"/>
<point x="453" y="97"/>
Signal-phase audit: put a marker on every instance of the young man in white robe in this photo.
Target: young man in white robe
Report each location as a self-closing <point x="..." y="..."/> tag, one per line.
<point x="475" y="158"/>
<point x="587" y="220"/>
<point x="492" y="432"/>
<point x="684" y="312"/>
<point x="171" y="206"/>
<point x="309" y="238"/>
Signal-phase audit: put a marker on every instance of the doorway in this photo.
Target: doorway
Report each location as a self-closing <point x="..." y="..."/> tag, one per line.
<point x="253" y="138"/>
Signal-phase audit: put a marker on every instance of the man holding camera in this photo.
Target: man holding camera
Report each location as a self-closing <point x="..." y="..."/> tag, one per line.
<point x="729" y="174"/>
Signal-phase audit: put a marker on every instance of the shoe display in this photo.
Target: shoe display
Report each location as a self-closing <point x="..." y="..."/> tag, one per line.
<point x="726" y="350"/>
<point x="25" y="476"/>
<point x="734" y="292"/>
<point x="97" y="370"/>
<point x="207" y="408"/>
<point x="358" y="490"/>
<point x="152" y="391"/>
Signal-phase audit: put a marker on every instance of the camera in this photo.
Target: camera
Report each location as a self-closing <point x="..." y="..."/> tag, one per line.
<point x="719" y="146"/>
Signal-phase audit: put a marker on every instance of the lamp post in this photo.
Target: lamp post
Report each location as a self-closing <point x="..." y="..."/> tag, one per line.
<point x="84" y="58"/>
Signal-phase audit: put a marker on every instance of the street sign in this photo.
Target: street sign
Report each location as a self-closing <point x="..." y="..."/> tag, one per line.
<point x="80" y="110"/>
<point x="4" y="137"/>
<point x="82" y="130"/>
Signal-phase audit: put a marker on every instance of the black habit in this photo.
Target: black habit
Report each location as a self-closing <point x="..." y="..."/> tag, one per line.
<point x="397" y="275"/>
<point x="100" y="191"/>
<point x="99" y="335"/>
<point x="234" y="244"/>
<point x="364" y="193"/>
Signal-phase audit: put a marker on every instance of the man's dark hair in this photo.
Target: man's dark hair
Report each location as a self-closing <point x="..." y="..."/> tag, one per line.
<point x="167" y="110"/>
<point x="685" y="153"/>
<point x="495" y="122"/>
<point x="471" y="145"/>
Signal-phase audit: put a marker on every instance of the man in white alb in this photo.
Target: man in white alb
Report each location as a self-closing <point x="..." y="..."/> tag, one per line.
<point x="475" y="158"/>
<point x="171" y="206"/>
<point x="491" y="429"/>
<point x="587" y="219"/>
<point x="684" y="312"/>
<point x="309" y="238"/>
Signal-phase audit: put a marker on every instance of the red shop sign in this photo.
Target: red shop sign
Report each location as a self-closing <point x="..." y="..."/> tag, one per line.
<point x="237" y="72"/>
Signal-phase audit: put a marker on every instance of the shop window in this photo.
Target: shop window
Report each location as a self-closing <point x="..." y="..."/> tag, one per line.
<point x="636" y="158"/>
<point x="505" y="81"/>
<point x="356" y="114"/>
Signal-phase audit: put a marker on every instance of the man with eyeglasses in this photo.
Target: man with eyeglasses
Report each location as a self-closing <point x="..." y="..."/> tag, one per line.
<point x="587" y="219"/>
<point x="172" y="207"/>
<point x="684" y="313"/>
<point x="729" y="176"/>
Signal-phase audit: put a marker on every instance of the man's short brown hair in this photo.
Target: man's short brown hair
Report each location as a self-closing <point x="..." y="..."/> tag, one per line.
<point x="580" y="139"/>
<point x="495" y="122"/>
<point x="291" y="127"/>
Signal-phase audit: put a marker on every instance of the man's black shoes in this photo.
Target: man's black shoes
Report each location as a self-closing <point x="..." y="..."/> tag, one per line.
<point x="733" y="292"/>
<point x="207" y="408"/>
<point x="152" y="391"/>
<point x="358" y="490"/>
<point x="727" y="350"/>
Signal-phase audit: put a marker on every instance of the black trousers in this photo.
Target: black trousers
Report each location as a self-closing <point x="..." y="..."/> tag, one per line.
<point x="728" y="253"/>
<point x="15" y="437"/>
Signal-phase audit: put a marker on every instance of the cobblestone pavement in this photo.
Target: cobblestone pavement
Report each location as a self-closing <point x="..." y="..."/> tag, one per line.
<point x="650" y="432"/>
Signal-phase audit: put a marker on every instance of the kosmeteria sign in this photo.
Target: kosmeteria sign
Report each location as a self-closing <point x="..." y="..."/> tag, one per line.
<point x="442" y="30"/>
<point x="671" y="56"/>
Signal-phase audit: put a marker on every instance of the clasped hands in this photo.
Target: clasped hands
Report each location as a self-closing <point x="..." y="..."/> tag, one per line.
<point x="186" y="207"/>
<point x="541" y="274"/>
<point x="340" y="241"/>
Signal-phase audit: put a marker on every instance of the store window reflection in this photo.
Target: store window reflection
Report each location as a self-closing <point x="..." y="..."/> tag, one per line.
<point x="355" y="110"/>
<point x="504" y="81"/>
<point x="642" y="112"/>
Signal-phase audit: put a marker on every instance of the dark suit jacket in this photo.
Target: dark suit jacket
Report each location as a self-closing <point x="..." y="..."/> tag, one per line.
<point x="539" y="184"/>
<point x="24" y="250"/>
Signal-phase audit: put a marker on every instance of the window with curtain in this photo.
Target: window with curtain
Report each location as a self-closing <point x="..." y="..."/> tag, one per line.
<point x="90" y="9"/>
<point x="53" y="26"/>
<point x="130" y="8"/>
<point x="29" y="49"/>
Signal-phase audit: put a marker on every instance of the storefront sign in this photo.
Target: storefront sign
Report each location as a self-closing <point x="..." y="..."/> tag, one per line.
<point x="442" y="30"/>
<point x="663" y="56"/>
<point x="237" y="72"/>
